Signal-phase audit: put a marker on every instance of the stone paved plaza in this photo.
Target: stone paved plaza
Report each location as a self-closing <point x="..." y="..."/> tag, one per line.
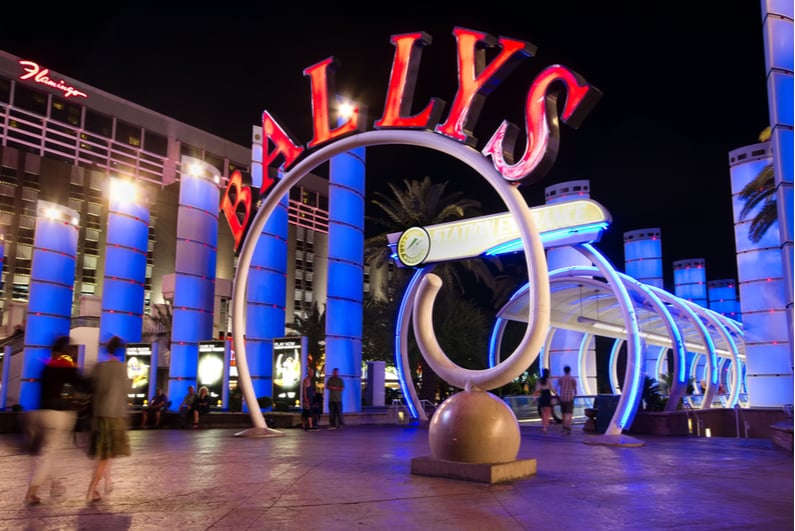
<point x="359" y="478"/>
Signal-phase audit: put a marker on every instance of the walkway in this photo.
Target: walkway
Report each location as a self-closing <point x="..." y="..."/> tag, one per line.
<point x="359" y="478"/>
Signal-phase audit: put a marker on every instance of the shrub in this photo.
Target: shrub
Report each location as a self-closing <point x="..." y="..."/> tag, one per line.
<point x="281" y="406"/>
<point x="652" y="396"/>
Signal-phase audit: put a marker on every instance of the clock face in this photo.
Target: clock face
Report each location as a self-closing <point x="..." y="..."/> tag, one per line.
<point x="413" y="246"/>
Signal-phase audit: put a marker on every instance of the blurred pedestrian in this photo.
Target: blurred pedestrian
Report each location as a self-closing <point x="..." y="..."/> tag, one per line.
<point x="52" y="425"/>
<point x="109" y="437"/>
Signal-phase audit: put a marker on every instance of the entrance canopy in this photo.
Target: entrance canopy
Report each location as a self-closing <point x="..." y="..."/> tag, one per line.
<point x="584" y="301"/>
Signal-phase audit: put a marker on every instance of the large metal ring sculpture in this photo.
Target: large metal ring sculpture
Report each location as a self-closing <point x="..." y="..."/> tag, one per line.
<point x="538" y="323"/>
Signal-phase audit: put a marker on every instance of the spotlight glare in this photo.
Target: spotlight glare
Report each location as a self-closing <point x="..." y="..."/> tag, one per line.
<point x="347" y="109"/>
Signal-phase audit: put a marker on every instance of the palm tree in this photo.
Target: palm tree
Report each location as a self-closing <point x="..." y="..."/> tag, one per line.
<point x="422" y="203"/>
<point x="313" y="326"/>
<point x="760" y="191"/>
<point x="157" y="328"/>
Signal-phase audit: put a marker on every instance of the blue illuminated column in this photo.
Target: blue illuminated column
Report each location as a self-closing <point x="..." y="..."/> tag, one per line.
<point x="266" y="292"/>
<point x="643" y="262"/>
<point x="777" y="19"/>
<point x="346" y="273"/>
<point x="690" y="283"/>
<point x="50" y="298"/>
<point x="267" y="284"/>
<point x="763" y="292"/>
<point x="723" y="297"/>
<point x="564" y="349"/>
<point x="194" y="275"/>
<point x="125" y="265"/>
<point x="690" y="280"/>
<point x="643" y="256"/>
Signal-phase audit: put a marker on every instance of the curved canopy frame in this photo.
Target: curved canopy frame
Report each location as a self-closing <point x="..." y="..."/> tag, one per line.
<point x="583" y="300"/>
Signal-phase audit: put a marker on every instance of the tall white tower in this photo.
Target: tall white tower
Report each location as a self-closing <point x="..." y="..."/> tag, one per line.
<point x="763" y="292"/>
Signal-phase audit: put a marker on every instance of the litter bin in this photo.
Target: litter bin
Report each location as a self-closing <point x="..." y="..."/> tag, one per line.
<point x="605" y="409"/>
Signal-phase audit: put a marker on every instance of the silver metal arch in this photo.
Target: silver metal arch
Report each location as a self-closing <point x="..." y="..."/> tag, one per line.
<point x="426" y="139"/>
<point x="651" y="293"/>
<point x="538" y="302"/>
<point x="687" y="308"/>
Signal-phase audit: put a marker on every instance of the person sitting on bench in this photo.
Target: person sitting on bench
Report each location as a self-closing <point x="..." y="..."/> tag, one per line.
<point x="201" y="405"/>
<point x="157" y="405"/>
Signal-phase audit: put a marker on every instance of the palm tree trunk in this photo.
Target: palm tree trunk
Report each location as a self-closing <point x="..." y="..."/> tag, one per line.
<point x="430" y="382"/>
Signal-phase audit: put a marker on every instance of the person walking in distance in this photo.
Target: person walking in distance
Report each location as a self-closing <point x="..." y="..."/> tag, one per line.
<point x="544" y="392"/>
<point x="567" y="389"/>
<point x="307" y="396"/>
<point x="335" y="386"/>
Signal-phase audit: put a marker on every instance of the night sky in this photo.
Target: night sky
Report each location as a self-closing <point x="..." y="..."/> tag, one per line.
<point x="683" y="84"/>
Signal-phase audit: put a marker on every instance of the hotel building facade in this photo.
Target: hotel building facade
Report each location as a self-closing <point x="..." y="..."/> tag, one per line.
<point x="62" y="140"/>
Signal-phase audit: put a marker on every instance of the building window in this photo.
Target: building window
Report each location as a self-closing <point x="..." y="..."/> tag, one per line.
<point x="21" y="288"/>
<point x="75" y="204"/>
<point x="308" y="198"/>
<point x="234" y="166"/>
<point x="5" y="90"/>
<point x="190" y="151"/>
<point x="128" y="134"/>
<point x="154" y="143"/>
<point x="99" y="124"/>
<point x="67" y="113"/>
<point x="215" y="161"/>
<point x="7" y="203"/>
<point x="8" y="175"/>
<point x="30" y="100"/>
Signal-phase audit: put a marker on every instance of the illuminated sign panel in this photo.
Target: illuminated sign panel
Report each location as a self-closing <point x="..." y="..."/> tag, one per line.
<point x="139" y="360"/>
<point x="287" y="369"/>
<point x="477" y="236"/>
<point x="211" y="369"/>
<point x="42" y="76"/>
<point x="477" y="79"/>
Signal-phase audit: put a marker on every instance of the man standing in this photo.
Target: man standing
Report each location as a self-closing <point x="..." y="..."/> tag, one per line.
<point x="567" y="388"/>
<point x="335" y="386"/>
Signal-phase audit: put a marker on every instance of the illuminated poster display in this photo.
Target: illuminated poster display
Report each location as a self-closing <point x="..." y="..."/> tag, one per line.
<point x="138" y="359"/>
<point x="211" y="369"/>
<point x="287" y="369"/>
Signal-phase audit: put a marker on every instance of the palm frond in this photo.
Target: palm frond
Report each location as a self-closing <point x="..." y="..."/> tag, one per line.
<point x="759" y="196"/>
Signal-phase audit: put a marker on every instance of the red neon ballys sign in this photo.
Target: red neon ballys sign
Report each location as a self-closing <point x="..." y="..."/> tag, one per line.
<point x="476" y="80"/>
<point x="42" y="75"/>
